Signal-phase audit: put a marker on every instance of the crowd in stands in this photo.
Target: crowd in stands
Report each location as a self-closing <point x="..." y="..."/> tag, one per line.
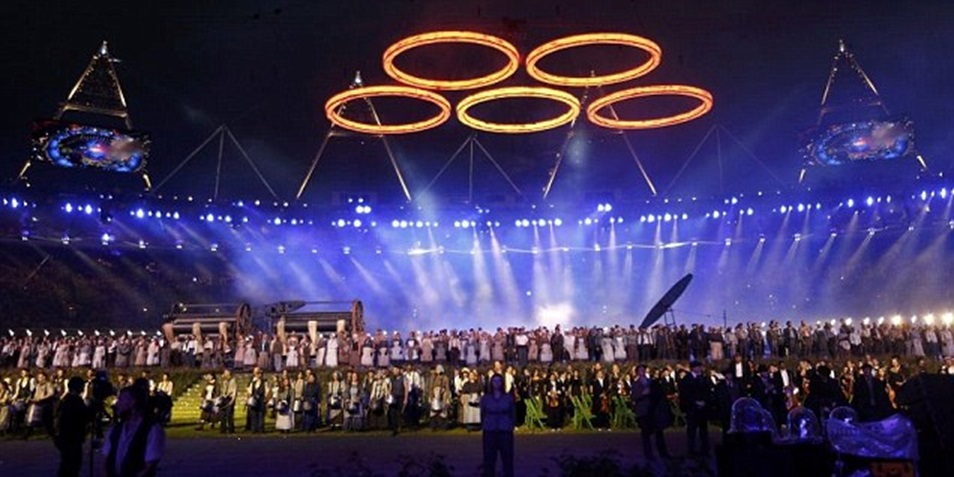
<point x="601" y="378"/>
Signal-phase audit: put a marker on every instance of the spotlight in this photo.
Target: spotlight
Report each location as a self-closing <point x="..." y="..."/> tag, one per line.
<point x="929" y="319"/>
<point x="88" y="209"/>
<point x="228" y="219"/>
<point x="947" y="318"/>
<point x="557" y="222"/>
<point x="281" y="249"/>
<point x="214" y="247"/>
<point x="588" y="221"/>
<point x="66" y="240"/>
<point x="749" y="211"/>
<point x="896" y="320"/>
<point x="356" y="223"/>
<point x="419" y="224"/>
<point x="457" y="224"/>
<point x="68" y="208"/>
<point x="525" y="223"/>
<point x="396" y="223"/>
<point x="277" y="221"/>
<point x="403" y="224"/>
<point x="179" y="246"/>
<point x="667" y="217"/>
<point x="142" y="244"/>
<point x="346" y="250"/>
<point x="869" y="201"/>
<point x="106" y="239"/>
<point x="140" y="214"/>
<point x="175" y="215"/>
<point x="248" y="248"/>
<point x="782" y="209"/>
<point x="541" y="223"/>
<point x="341" y="222"/>
<point x="715" y="214"/>
<point x="651" y="218"/>
<point x="642" y="219"/>
<point x="850" y="203"/>
<point x="924" y="195"/>
<point x="728" y="242"/>
<point x="685" y="216"/>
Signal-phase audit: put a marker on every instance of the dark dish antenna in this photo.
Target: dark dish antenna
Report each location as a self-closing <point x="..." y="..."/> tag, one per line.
<point x="664" y="306"/>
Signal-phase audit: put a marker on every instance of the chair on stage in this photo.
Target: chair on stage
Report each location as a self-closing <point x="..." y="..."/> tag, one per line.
<point x="582" y="412"/>
<point x="623" y="416"/>
<point x="535" y="416"/>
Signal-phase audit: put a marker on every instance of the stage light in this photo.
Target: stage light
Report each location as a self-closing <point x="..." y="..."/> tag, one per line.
<point x="228" y="219"/>
<point x="395" y="224"/>
<point x="14" y="203"/>
<point x="848" y="321"/>
<point x="105" y="239"/>
<point x="651" y="218"/>
<point x="850" y="203"/>
<point x="929" y="319"/>
<point x="869" y="201"/>
<point x="612" y="220"/>
<point x="924" y="195"/>
<point x="914" y="319"/>
<point x="341" y="222"/>
<point x="68" y="208"/>
<point x="525" y="222"/>
<point x="715" y="214"/>
<point x="728" y="242"/>
<point x="210" y="218"/>
<point x="403" y="224"/>
<point x="175" y="215"/>
<point x="457" y="224"/>
<point x="599" y="208"/>
<point x="541" y="223"/>
<point x="66" y="240"/>
<point x="607" y="208"/>
<point x="179" y="246"/>
<point x="896" y="320"/>
<point x="281" y="249"/>
<point x="801" y="208"/>
<point x="346" y="250"/>
<point x="888" y="199"/>
<point x="214" y="247"/>
<point x="88" y="209"/>
<point x="667" y="217"/>
<point x="947" y="319"/>
<point x="761" y="239"/>
<point x="866" y="321"/>
<point x="798" y="237"/>
<point x="356" y="223"/>
<point x="834" y="234"/>
<point x="588" y="221"/>
<point x="749" y="211"/>
<point x="557" y="222"/>
<point x="943" y="193"/>
<point x="142" y="244"/>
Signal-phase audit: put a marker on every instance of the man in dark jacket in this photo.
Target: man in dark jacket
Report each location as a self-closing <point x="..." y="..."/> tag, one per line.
<point x="870" y="396"/>
<point x="652" y="412"/>
<point x="72" y="417"/>
<point x="694" y="397"/>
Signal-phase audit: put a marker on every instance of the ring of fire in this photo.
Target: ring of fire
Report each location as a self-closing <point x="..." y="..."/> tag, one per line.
<point x="573" y="109"/>
<point x="589" y="39"/>
<point x="438" y="37"/>
<point x="334" y="104"/>
<point x="705" y="98"/>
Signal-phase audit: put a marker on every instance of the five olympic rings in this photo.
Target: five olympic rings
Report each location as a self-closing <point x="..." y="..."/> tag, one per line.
<point x="423" y="88"/>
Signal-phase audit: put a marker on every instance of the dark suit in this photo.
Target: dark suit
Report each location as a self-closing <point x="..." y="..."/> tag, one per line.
<point x="870" y="399"/>
<point x="694" y="397"/>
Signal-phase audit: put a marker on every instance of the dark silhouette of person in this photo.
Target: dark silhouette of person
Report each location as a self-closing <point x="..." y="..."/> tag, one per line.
<point x="71" y="421"/>
<point x="498" y="413"/>
<point x="870" y="396"/>
<point x="694" y="398"/>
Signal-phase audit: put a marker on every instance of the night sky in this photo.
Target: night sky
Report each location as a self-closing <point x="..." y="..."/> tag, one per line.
<point x="266" y="68"/>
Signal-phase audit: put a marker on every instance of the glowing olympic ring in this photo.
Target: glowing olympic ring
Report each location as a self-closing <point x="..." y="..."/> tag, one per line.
<point x="592" y="111"/>
<point x="335" y="103"/>
<point x="437" y="37"/>
<point x="586" y="39"/>
<point x="518" y="92"/>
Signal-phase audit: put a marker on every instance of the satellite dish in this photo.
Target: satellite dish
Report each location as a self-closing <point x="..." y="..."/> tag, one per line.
<point x="665" y="303"/>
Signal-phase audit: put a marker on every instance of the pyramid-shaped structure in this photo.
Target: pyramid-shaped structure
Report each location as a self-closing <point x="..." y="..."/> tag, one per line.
<point x="98" y="91"/>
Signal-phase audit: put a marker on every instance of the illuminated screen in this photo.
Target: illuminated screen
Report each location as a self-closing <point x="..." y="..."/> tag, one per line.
<point x="864" y="141"/>
<point x="81" y="146"/>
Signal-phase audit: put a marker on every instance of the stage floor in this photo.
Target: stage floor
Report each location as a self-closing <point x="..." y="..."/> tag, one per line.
<point x="336" y="453"/>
